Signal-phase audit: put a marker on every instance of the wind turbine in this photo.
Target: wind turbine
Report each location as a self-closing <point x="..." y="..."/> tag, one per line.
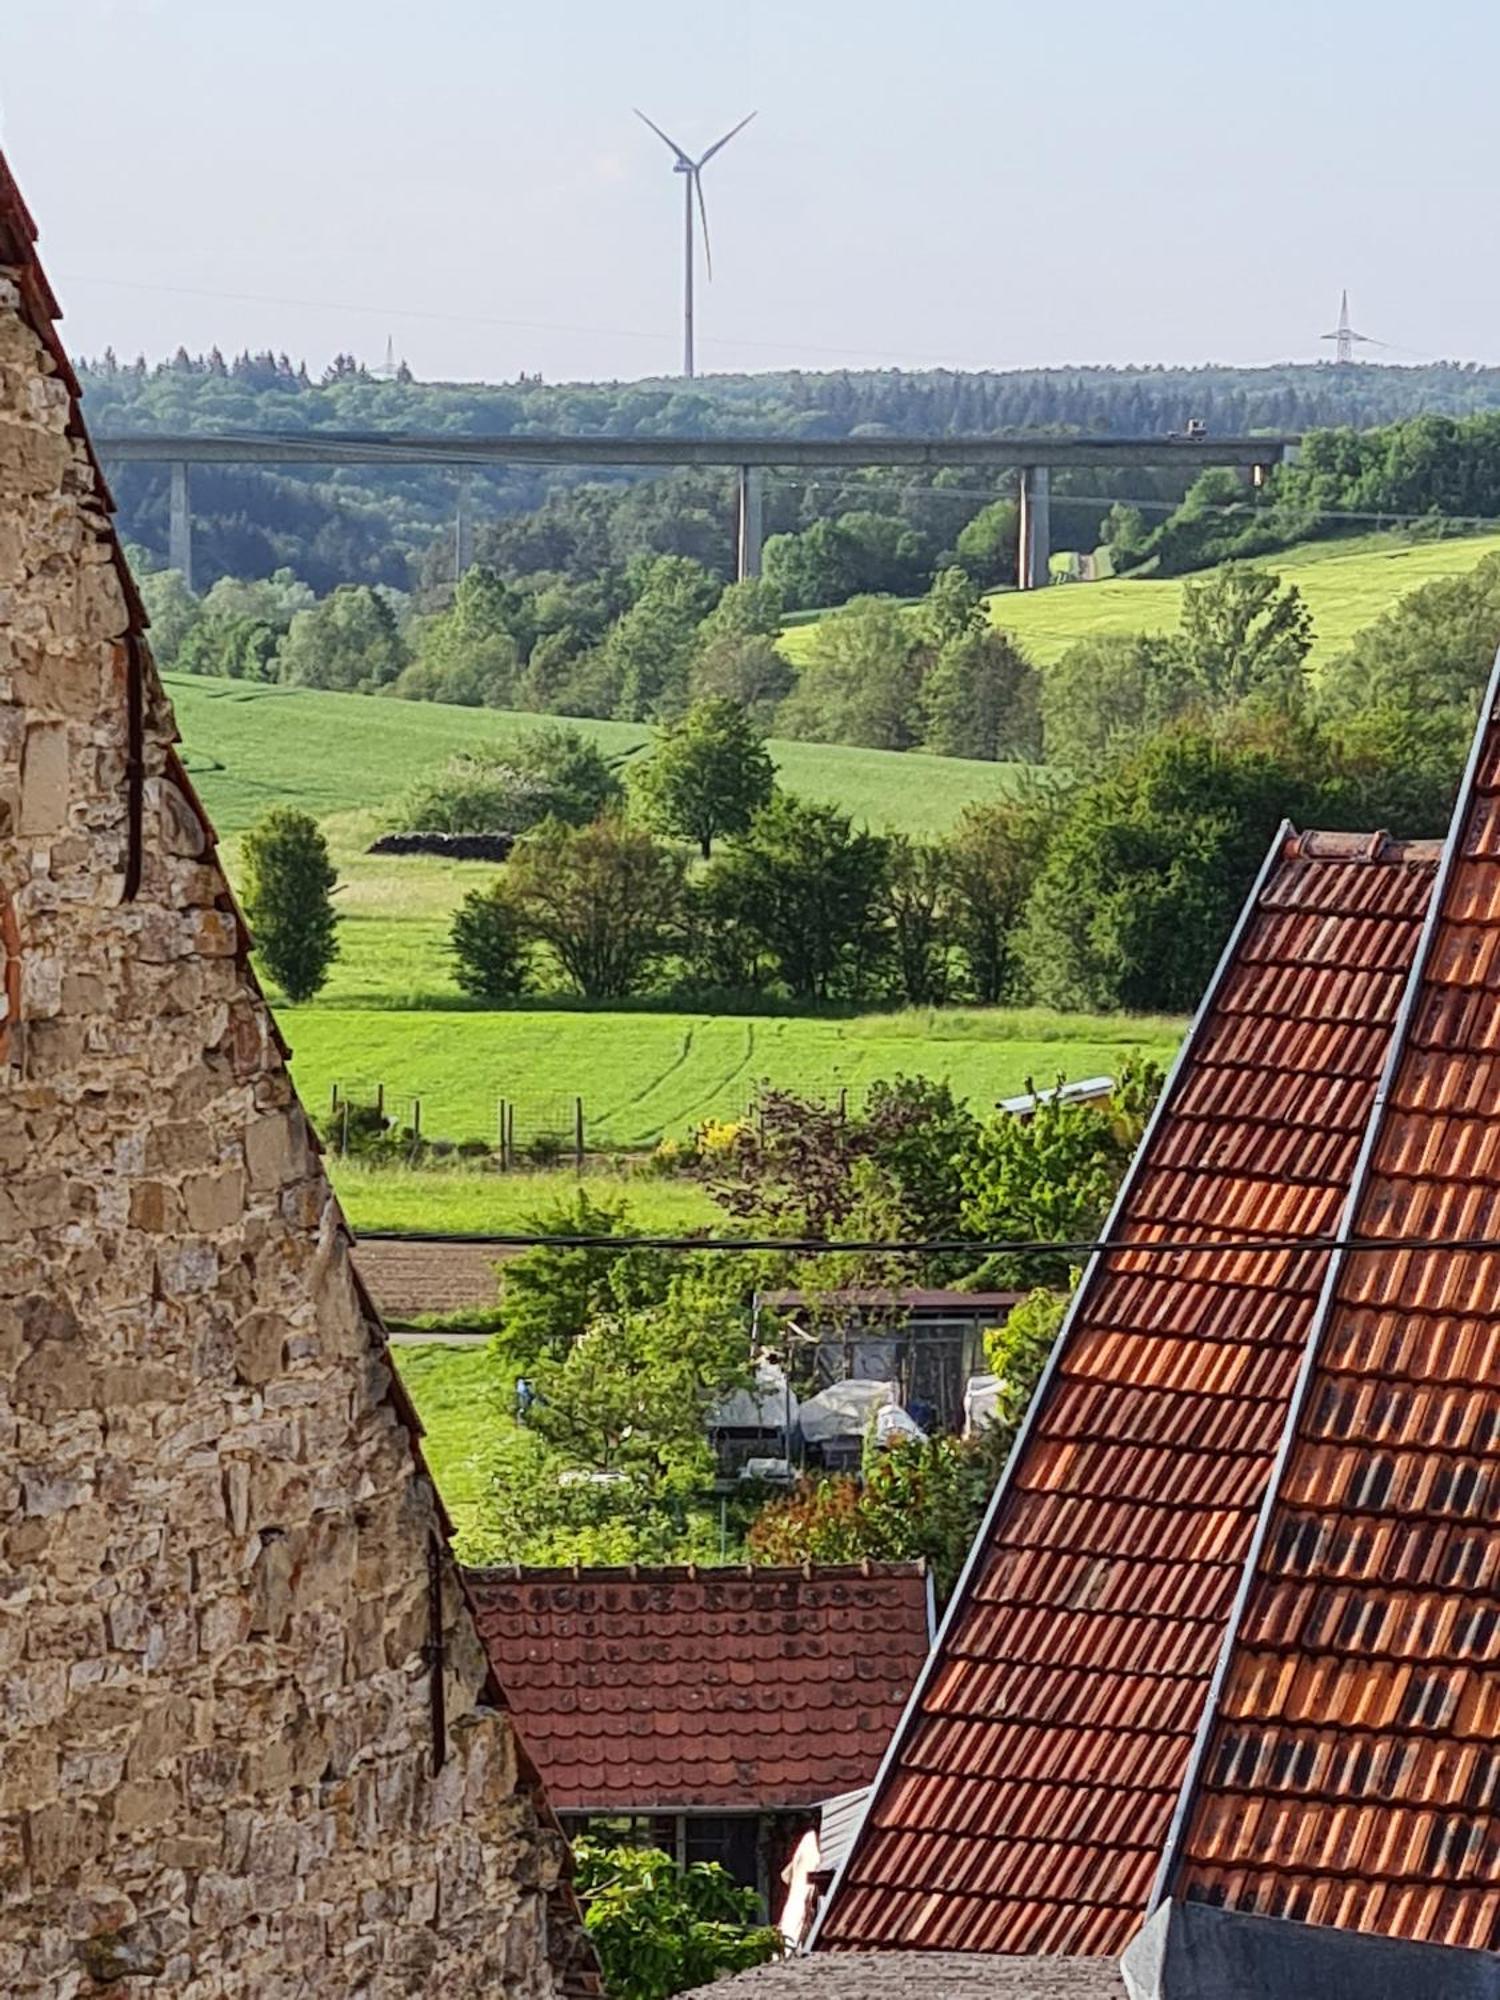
<point x="692" y="171"/>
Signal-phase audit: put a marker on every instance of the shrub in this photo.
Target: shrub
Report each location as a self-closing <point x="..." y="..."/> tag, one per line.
<point x="606" y="899"/>
<point x="553" y="773"/>
<point x="1149" y="865"/>
<point x="805" y="888"/>
<point x="659" y="1929"/>
<point x="489" y="944"/>
<point x="917" y="1501"/>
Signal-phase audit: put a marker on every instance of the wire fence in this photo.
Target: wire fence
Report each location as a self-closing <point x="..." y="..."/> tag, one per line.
<point x="541" y="1129"/>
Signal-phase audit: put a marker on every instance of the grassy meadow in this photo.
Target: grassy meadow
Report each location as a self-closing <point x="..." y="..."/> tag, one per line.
<point x="463" y="1412"/>
<point x="249" y="746"/>
<point x="392" y="1012"/>
<point x="474" y="1201"/>
<point x="644" y="1075"/>
<point x="1347" y="585"/>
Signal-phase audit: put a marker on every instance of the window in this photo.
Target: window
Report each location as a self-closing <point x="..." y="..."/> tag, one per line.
<point x="733" y="1841"/>
<point x="657" y="1830"/>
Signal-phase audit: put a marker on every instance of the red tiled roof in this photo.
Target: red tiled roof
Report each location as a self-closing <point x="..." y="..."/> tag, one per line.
<point x="1353" y="1773"/>
<point x="1030" y="1790"/>
<point x="732" y="1688"/>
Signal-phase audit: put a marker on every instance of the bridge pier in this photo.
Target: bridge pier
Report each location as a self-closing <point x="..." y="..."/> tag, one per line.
<point x="1034" y="556"/>
<point x="751" y="522"/>
<point x="463" y="527"/>
<point x="180" y="524"/>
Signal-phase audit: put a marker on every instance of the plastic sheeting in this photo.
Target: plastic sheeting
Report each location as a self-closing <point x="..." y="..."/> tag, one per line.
<point x="981" y="1402"/>
<point x="844" y="1410"/>
<point x="765" y="1407"/>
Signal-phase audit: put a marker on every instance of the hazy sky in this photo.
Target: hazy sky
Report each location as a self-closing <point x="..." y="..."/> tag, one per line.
<point x="962" y="182"/>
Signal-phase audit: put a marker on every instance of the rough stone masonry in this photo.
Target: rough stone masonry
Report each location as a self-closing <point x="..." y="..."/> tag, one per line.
<point x="248" y="1742"/>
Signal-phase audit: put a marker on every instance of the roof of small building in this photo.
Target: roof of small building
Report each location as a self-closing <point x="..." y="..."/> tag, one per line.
<point x="1033" y="1781"/>
<point x="732" y="1689"/>
<point x="921" y="1975"/>
<point x="909" y="1298"/>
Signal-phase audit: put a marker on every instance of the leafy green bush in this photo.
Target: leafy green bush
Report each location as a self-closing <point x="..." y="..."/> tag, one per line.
<point x="489" y="944"/>
<point x="1017" y="1351"/>
<point x="804" y="886"/>
<point x="659" y="1929"/>
<point x="553" y="773"/>
<point x="1150" y="863"/>
<point x="1050" y="1177"/>
<point x="917" y="1501"/>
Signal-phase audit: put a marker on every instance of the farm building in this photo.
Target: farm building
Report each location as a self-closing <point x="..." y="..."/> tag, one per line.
<point x="1223" y="1662"/>
<point x="708" y="1712"/>
<point x="250" y="1742"/>
<point x="924" y="1346"/>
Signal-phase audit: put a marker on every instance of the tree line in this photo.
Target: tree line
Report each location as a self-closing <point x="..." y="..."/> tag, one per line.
<point x="377" y="526"/>
<point x="1109" y="879"/>
<point x="1438" y="474"/>
<point x="641" y="646"/>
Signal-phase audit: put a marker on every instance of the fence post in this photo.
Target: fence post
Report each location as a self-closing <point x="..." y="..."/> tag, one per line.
<point x="843" y="1104"/>
<point x="578" y="1133"/>
<point x="500" y="1131"/>
<point x="344" y="1133"/>
<point x="416" y="1127"/>
<point x="380" y="1104"/>
<point x="333" y="1099"/>
<point x="510" y="1130"/>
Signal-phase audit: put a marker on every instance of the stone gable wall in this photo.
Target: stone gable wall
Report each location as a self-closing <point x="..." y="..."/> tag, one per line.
<point x="217" y="1713"/>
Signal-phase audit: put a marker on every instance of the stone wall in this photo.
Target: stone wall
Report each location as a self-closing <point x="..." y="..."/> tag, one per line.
<point x="248" y="1744"/>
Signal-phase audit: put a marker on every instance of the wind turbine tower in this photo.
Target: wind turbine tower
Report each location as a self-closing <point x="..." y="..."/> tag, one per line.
<point x="692" y="188"/>
<point x="1345" y="339"/>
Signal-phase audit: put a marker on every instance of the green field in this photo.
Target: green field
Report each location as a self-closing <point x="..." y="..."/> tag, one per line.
<point x="250" y="746"/>
<point x="642" y="1075"/>
<point x="462" y="1412"/>
<point x="473" y="1201"/>
<point x="1347" y="585"/>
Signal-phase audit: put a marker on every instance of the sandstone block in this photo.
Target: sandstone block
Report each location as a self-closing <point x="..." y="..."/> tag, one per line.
<point x="214" y="1201"/>
<point x="44" y="779"/>
<point x="259" y="1346"/>
<point x="142" y="1802"/>
<point x="275" y="1150"/>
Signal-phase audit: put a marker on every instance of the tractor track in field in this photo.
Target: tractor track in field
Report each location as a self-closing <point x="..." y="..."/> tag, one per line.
<point x="652" y="1083"/>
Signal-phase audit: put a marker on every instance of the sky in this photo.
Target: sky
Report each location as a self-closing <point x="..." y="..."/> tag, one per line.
<point x="928" y="183"/>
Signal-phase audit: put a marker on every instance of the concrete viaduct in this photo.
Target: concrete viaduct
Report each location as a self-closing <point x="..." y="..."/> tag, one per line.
<point x="1034" y="457"/>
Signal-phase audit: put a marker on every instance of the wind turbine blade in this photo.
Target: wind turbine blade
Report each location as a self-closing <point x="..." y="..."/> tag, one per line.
<point x="682" y="156"/>
<point x="708" y="255"/>
<point x="719" y="144"/>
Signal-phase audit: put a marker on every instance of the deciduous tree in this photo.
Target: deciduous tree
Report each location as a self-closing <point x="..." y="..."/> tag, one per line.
<point x="709" y="775"/>
<point x="805" y="886"/>
<point x="606" y="899"/>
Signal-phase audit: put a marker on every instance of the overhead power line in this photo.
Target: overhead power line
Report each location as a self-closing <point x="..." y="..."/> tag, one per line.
<point x="817" y="1246"/>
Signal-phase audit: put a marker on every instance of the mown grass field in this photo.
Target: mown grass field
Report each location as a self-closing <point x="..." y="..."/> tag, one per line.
<point x="643" y="1076"/>
<point x="1347" y="585"/>
<point x="463" y="1414"/>
<point x="249" y="747"/>
<point x="475" y="1201"/>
